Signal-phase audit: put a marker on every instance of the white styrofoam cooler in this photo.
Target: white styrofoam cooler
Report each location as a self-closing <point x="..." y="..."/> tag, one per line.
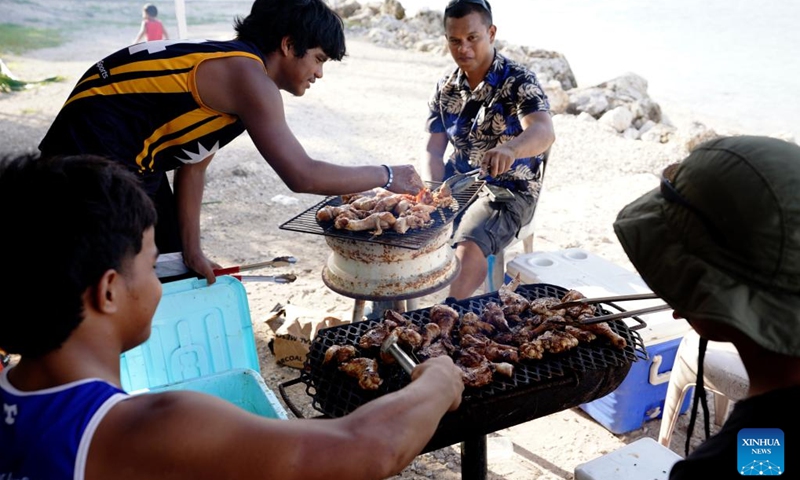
<point x="643" y="459"/>
<point x="641" y="395"/>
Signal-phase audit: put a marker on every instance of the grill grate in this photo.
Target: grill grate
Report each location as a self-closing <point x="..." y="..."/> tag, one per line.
<point x="336" y="394"/>
<point x="306" y="222"/>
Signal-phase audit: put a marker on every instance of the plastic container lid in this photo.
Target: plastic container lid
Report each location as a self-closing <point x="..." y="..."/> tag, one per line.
<point x="197" y="330"/>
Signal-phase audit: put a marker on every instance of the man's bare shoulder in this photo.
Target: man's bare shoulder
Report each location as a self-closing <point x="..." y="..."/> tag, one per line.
<point x="233" y="84"/>
<point x="148" y="434"/>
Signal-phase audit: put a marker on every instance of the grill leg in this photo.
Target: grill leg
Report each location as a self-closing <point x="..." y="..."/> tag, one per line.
<point x="473" y="458"/>
<point x="358" y="310"/>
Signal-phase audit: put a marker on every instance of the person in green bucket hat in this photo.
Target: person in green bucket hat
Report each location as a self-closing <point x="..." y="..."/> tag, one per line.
<point x="719" y="241"/>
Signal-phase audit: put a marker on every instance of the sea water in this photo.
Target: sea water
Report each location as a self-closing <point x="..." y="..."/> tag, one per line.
<point x="730" y="63"/>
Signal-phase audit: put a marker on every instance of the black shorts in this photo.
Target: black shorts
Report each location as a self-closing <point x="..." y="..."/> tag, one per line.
<point x="494" y="225"/>
<point x="168" y="237"/>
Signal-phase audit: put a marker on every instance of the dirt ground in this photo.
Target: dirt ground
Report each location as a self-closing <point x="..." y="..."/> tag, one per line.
<point x="368" y="109"/>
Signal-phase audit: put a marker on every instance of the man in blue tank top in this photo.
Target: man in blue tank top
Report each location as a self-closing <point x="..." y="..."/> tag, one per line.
<point x="79" y="235"/>
<point x="170" y="105"/>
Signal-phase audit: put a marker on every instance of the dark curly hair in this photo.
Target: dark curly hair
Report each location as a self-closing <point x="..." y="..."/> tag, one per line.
<point x="66" y="221"/>
<point x="309" y="23"/>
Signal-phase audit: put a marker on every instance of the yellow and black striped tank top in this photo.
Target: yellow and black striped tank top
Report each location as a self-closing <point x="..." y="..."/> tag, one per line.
<point x="140" y="106"/>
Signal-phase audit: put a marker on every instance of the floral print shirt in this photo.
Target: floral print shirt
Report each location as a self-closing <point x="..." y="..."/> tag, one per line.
<point x="477" y="121"/>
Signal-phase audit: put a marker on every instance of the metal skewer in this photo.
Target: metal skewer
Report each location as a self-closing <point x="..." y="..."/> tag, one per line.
<point x="615" y="298"/>
<point x="630" y="313"/>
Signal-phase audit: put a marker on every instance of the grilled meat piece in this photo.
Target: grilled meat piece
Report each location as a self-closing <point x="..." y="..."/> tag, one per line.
<point x="513" y="303"/>
<point x="443" y="198"/>
<point x="365" y="370"/>
<point x="444" y="316"/>
<point x="524" y="335"/>
<point x="374" y="337"/>
<point x="364" y="203"/>
<point x="533" y="350"/>
<point x="402" y="206"/>
<point x="542" y="306"/>
<point x="339" y="353"/>
<point x="551" y="322"/>
<point x="394" y="319"/>
<point x="582" y="335"/>
<point x="577" y="310"/>
<point x="493" y="315"/>
<point x="504" y="369"/>
<point x="387" y="203"/>
<point x="425" y="196"/>
<point x="442" y="346"/>
<point x="476" y="370"/>
<point x="376" y="223"/>
<point x="406" y="222"/>
<point x="472" y="324"/>
<point x="490" y="349"/>
<point x="513" y="319"/>
<point x="505" y="338"/>
<point x="409" y="336"/>
<point x="431" y="332"/>
<point x="603" y="330"/>
<point x="351" y="197"/>
<point x="555" y="341"/>
<point x="328" y="213"/>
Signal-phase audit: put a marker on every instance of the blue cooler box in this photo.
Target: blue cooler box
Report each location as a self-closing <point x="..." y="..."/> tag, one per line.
<point x="202" y="340"/>
<point x="640" y="397"/>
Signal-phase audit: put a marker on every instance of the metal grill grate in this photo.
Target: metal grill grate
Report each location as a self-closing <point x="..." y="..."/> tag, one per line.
<point x="306" y="222"/>
<point x="335" y="394"/>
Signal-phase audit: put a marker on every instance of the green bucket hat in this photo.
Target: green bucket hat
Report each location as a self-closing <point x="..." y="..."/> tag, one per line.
<point x="720" y="239"/>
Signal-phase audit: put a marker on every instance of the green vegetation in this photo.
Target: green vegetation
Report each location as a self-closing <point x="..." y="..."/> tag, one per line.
<point x="17" y="38"/>
<point x="8" y="84"/>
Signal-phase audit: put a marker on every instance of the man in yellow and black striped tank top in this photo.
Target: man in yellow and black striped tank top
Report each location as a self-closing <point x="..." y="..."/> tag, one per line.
<point x="170" y="105"/>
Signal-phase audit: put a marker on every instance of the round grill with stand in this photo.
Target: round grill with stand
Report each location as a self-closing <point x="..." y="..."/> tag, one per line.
<point x="390" y="267"/>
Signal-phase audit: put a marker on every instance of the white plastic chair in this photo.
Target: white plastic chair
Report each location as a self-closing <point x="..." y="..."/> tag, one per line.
<point x="723" y="373"/>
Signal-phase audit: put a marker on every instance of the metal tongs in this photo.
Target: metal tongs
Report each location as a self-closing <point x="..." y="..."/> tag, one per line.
<point x="390" y="346"/>
<point x="285" y="278"/>
<point x="611" y="300"/>
<point x="460" y="181"/>
<point x="275" y="262"/>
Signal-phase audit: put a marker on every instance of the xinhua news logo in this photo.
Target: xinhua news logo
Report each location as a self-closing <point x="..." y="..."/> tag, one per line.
<point x="760" y="451"/>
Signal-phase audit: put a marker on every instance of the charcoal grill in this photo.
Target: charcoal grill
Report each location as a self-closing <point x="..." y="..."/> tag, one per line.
<point x="538" y="388"/>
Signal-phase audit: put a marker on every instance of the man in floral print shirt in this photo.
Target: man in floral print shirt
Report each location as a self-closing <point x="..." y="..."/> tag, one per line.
<point x="496" y="116"/>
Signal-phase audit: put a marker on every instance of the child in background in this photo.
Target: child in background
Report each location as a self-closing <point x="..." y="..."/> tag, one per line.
<point x="152" y="27"/>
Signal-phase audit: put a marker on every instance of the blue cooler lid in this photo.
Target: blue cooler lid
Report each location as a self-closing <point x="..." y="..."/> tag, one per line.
<point x="198" y="329"/>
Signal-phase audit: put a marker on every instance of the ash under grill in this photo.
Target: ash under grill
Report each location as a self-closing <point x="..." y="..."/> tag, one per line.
<point x="335" y="394"/>
<point x="414" y="239"/>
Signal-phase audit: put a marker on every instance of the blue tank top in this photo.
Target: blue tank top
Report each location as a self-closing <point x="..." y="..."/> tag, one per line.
<point x="45" y="434"/>
<point x="140" y="106"/>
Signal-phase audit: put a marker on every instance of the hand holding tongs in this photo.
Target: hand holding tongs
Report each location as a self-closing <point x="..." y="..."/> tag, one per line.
<point x="617" y="298"/>
<point x="275" y="262"/>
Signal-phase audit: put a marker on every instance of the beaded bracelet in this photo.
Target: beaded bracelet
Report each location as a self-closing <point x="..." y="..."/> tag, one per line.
<point x="391" y="176"/>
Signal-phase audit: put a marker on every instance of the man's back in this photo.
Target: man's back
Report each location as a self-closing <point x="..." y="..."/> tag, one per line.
<point x="140" y="106"/>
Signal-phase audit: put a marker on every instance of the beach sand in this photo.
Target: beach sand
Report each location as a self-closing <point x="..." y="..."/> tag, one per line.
<point x="370" y="109"/>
